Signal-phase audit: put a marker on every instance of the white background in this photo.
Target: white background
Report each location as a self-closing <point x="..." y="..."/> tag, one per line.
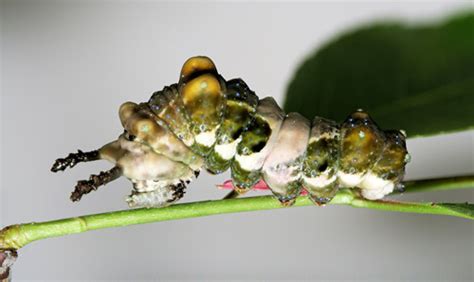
<point x="66" y="68"/>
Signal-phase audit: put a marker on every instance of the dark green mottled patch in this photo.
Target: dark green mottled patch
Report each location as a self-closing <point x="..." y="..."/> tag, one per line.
<point x="321" y="155"/>
<point x="201" y="149"/>
<point x="391" y="164"/>
<point x="255" y="138"/>
<point x="241" y="104"/>
<point x="238" y="90"/>
<point x="236" y="118"/>
<point x="215" y="164"/>
<point x="242" y="178"/>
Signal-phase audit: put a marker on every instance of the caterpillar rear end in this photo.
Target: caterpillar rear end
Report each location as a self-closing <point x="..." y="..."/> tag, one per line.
<point x="207" y="122"/>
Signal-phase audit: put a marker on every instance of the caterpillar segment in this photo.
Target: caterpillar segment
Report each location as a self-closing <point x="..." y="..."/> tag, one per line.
<point x="361" y="144"/>
<point x="257" y="142"/>
<point x="206" y="122"/>
<point x="202" y="92"/>
<point x="387" y="173"/>
<point x="168" y="106"/>
<point x="320" y="165"/>
<point x="282" y="168"/>
<point x="143" y="126"/>
<point x="241" y="106"/>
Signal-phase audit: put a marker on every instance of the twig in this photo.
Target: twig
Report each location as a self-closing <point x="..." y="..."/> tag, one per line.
<point x="439" y="184"/>
<point x="16" y="236"/>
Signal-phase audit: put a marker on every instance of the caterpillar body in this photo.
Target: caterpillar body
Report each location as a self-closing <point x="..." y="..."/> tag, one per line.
<point x="206" y="122"/>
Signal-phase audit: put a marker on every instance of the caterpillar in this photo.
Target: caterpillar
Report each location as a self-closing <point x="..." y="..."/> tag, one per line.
<point x="207" y="122"/>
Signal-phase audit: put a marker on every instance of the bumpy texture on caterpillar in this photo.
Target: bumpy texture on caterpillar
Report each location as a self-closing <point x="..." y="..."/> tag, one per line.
<point x="204" y="121"/>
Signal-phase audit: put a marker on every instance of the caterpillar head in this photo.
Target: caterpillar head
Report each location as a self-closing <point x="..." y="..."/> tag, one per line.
<point x="152" y="157"/>
<point x="154" y="150"/>
<point x="156" y="161"/>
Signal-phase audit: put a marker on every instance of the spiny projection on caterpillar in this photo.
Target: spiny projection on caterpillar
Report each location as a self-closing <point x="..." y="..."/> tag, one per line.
<point x="207" y="122"/>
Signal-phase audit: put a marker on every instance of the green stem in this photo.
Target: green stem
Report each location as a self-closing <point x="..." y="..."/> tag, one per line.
<point x="17" y="236"/>
<point x="440" y="184"/>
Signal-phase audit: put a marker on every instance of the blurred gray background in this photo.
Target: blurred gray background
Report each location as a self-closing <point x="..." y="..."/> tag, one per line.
<point x="67" y="66"/>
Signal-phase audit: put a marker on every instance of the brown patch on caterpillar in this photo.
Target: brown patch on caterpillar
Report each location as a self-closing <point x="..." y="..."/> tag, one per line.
<point x="179" y="191"/>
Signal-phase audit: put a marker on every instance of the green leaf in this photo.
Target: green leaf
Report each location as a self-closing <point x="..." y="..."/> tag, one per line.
<point x="466" y="209"/>
<point x="420" y="79"/>
<point x="452" y="209"/>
